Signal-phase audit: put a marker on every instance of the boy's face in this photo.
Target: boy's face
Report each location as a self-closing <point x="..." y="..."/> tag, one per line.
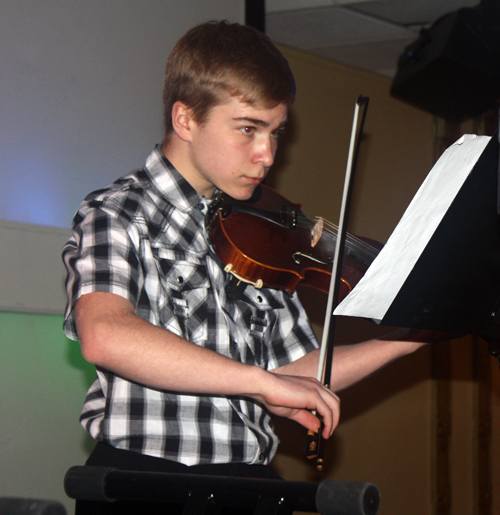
<point x="234" y="149"/>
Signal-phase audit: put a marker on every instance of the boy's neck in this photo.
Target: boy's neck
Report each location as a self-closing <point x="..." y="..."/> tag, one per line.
<point x="176" y="151"/>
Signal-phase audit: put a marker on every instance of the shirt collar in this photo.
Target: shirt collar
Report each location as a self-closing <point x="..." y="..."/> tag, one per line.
<point x="170" y="182"/>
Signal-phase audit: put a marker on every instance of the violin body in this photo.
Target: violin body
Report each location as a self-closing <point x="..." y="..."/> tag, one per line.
<point x="267" y="241"/>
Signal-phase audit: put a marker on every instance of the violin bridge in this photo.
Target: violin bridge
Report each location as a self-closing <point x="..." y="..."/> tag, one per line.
<point x="317" y="231"/>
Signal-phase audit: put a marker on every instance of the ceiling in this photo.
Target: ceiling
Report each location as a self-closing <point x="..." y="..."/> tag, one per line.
<point x="365" y="34"/>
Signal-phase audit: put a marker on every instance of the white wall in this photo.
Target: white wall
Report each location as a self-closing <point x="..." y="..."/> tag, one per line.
<point x="80" y="97"/>
<point x="32" y="272"/>
<point x="80" y="105"/>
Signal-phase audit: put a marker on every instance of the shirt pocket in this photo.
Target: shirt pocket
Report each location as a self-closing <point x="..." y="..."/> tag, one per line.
<point x="186" y="298"/>
<point x="265" y="309"/>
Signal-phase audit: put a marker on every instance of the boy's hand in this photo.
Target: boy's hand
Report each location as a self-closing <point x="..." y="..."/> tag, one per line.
<point x="296" y="397"/>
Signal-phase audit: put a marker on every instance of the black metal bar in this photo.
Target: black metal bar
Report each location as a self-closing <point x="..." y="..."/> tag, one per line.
<point x="201" y="503"/>
<point x="328" y="497"/>
<point x="255" y="14"/>
<point x="272" y="506"/>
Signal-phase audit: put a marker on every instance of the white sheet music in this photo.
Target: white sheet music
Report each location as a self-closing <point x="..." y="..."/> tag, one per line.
<point x="375" y="292"/>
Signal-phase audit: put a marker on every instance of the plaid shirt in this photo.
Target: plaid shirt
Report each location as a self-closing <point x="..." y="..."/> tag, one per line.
<point x="143" y="238"/>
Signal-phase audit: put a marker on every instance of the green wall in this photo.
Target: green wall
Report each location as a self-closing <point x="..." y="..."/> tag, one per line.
<point x="43" y="382"/>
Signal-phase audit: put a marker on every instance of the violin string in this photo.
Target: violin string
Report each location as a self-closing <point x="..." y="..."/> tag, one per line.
<point x="351" y="236"/>
<point x="356" y="242"/>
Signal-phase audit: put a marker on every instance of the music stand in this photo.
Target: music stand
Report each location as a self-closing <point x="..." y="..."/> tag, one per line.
<point x="454" y="285"/>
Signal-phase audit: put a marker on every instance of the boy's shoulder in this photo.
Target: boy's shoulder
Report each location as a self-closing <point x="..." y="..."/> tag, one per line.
<point x="128" y="192"/>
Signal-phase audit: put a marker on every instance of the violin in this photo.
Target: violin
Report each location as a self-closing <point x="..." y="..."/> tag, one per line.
<point x="268" y="241"/>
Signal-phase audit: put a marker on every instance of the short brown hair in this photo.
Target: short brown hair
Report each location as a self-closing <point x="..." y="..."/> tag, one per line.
<point x="218" y="58"/>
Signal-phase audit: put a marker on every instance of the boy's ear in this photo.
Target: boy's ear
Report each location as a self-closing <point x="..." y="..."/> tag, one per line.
<point x="182" y="120"/>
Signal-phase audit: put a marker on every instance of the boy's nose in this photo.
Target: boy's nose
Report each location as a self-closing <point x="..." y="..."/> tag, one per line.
<point x="265" y="152"/>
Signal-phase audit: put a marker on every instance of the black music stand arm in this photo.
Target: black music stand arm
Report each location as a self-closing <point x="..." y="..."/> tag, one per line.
<point x="494" y="343"/>
<point x="498" y="168"/>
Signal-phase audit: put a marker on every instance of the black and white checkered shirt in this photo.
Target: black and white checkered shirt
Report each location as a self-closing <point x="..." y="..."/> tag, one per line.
<point x="143" y="238"/>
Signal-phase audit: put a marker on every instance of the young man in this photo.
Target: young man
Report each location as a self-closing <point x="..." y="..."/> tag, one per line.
<point x="190" y="363"/>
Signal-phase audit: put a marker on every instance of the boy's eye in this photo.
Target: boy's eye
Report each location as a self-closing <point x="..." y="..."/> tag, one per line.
<point x="247" y="130"/>
<point x="278" y="132"/>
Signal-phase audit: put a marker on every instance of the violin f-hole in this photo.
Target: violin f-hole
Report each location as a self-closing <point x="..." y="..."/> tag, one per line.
<point x="297" y="255"/>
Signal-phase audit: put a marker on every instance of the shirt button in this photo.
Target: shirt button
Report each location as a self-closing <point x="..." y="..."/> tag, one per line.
<point x="259" y="298"/>
<point x="201" y="206"/>
<point x="180" y="279"/>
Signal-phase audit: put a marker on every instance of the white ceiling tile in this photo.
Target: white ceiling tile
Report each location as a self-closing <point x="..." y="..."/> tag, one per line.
<point x="380" y="57"/>
<point x="329" y="26"/>
<point x="366" y="34"/>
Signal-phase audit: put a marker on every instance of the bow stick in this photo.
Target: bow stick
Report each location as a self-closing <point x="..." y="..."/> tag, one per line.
<point x="315" y="445"/>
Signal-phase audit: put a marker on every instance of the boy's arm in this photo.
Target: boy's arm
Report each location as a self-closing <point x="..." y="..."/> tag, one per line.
<point x="114" y="338"/>
<point x="351" y="363"/>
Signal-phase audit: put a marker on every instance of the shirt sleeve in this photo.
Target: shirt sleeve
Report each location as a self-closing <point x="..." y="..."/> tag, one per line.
<point x="101" y="256"/>
<point x="293" y="335"/>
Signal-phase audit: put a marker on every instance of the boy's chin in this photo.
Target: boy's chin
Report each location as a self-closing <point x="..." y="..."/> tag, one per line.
<point x="248" y="194"/>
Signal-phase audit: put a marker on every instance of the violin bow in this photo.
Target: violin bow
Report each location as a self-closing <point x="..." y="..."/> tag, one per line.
<point x="315" y="444"/>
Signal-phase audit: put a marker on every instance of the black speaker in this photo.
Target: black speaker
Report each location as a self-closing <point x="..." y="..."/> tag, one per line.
<point x="452" y="70"/>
